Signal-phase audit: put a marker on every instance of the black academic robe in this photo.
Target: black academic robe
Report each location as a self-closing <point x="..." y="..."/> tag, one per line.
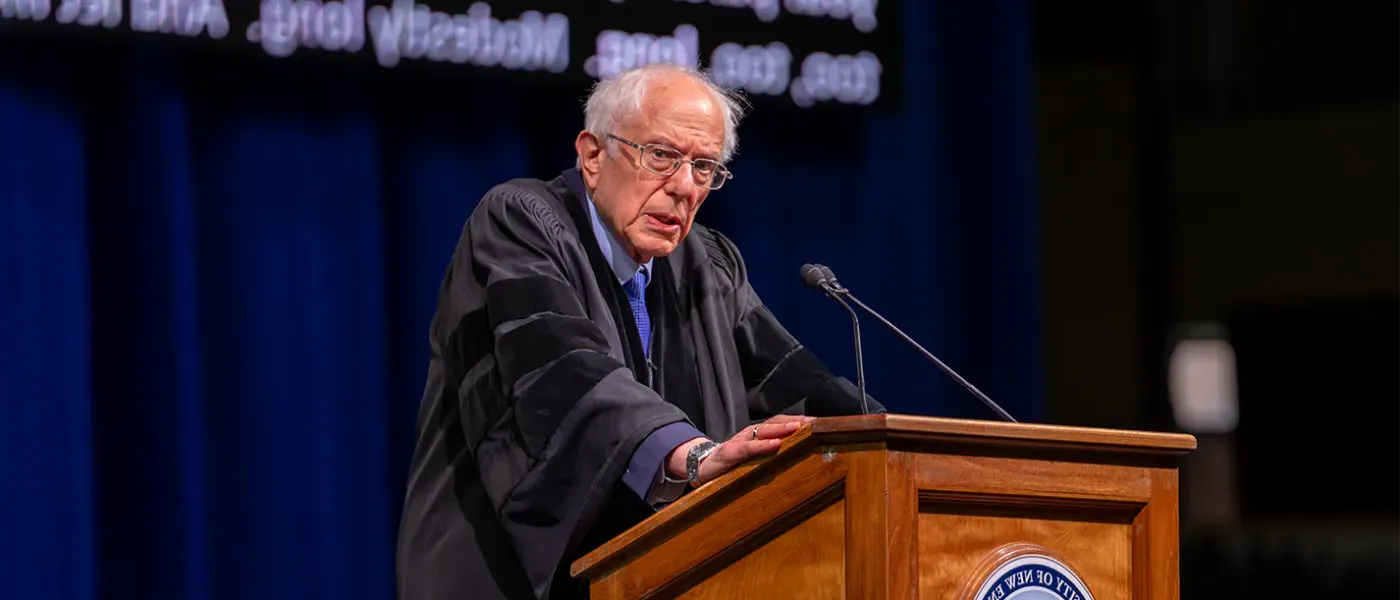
<point x="538" y="391"/>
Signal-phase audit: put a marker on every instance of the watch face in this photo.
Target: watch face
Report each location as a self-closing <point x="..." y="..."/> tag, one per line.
<point x="692" y="459"/>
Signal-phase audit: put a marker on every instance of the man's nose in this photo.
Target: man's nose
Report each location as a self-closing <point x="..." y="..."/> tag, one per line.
<point x="682" y="182"/>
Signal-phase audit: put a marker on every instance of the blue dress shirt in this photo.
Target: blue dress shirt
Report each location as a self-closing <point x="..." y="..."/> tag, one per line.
<point x="646" y="471"/>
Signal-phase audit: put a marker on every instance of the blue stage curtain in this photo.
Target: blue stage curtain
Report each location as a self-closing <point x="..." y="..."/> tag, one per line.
<point x="216" y="278"/>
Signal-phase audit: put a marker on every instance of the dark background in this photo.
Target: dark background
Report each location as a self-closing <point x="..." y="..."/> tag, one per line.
<point x="217" y="270"/>
<point x="1234" y="163"/>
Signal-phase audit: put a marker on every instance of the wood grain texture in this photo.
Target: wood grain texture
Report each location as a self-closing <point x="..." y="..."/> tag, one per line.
<point x="921" y="501"/>
<point x="1037" y="482"/>
<point x="680" y="514"/>
<point x="1156" y="542"/>
<point x="807" y="561"/>
<point x="881" y="534"/>
<point x="953" y="545"/>
<point x="705" y="539"/>
<point x="1002" y="434"/>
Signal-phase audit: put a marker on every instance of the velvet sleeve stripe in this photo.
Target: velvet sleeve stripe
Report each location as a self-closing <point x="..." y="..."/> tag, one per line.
<point x="466" y="346"/>
<point x="521" y="297"/>
<point x="542" y="339"/>
<point x="542" y="404"/>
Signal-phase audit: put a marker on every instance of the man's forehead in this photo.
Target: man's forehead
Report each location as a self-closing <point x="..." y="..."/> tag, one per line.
<point x="676" y="95"/>
<point x="664" y="113"/>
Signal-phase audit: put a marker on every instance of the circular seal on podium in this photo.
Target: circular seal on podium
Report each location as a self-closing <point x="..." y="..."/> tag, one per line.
<point x="1023" y="571"/>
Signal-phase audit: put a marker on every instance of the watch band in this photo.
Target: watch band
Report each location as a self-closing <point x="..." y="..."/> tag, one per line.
<point x="696" y="454"/>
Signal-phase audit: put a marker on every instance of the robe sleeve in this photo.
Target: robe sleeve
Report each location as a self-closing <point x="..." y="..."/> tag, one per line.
<point x="780" y="374"/>
<point x="646" y="471"/>
<point x="553" y="424"/>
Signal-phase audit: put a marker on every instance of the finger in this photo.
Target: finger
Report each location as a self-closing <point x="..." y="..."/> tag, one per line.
<point x="736" y="452"/>
<point x="789" y="419"/>
<point x="733" y="454"/>
<point x="751" y="449"/>
<point x="775" y="431"/>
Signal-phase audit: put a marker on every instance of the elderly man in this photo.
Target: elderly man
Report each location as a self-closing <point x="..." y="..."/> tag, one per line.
<point x="595" y="353"/>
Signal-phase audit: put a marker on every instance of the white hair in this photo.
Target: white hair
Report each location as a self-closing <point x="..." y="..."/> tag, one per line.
<point x="620" y="97"/>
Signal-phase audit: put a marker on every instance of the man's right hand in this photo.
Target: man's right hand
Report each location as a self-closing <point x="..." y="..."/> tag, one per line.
<point x="751" y="442"/>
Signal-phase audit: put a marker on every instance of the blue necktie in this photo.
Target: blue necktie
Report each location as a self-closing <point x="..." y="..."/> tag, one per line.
<point x="636" y="296"/>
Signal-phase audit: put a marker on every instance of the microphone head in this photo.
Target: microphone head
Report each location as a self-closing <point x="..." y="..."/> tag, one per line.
<point x="831" y="281"/>
<point x="813" y="276"/>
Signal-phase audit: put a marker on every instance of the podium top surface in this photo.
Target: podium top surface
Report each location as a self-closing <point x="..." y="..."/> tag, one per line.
<point x="928" y="434"/>
<point x="969" y="431"/>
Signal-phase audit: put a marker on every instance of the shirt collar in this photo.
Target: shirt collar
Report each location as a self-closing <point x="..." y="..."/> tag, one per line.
<point x="624" y="268"/>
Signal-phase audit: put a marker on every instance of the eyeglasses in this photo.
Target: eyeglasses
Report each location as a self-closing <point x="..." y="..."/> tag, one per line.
<point x="665" y="161"/>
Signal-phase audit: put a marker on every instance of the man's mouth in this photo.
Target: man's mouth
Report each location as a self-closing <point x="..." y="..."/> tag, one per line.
<point x="664" y="220"/>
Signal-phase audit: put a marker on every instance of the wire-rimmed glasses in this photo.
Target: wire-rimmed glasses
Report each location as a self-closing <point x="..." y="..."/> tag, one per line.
<point x="665" y="161"/>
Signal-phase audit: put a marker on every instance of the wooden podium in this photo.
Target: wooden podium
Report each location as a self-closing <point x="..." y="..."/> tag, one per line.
<point x="894" y="506"/>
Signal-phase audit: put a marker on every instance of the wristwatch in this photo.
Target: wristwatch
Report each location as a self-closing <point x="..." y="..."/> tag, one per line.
<point x="696" y="454"/>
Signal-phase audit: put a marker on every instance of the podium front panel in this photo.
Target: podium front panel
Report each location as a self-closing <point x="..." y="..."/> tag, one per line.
<point x="886" y="507"/>
<point x="995" y="527"/>
<point x="807" y="561"/>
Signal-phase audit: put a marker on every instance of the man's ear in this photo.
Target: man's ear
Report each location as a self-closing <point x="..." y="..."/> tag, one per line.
<point x="590" y="157"/>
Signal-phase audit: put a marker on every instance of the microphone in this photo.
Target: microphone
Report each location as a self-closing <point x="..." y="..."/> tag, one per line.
<point x="834" y="289"/>
<point x="816" y="277"/>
